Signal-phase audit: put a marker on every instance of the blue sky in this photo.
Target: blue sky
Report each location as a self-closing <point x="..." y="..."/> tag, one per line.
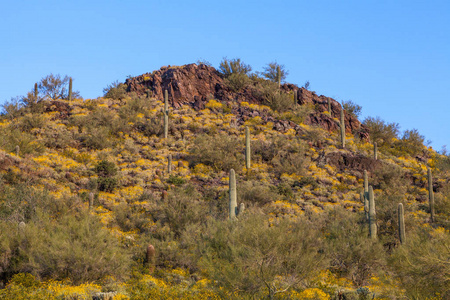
<point x="390" y="57"/>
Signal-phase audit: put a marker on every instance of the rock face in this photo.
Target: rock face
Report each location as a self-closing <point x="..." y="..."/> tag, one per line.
<point x="187" y="84"/>
<point x="196" y="84"/>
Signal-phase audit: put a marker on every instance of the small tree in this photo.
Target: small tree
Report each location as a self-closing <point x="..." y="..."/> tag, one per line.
<point x="234" y="66"/>
<point x="55" y="87"/>
<point x="115" y="90"/>
<point x="352" y="108"/>
<point x="275" y="72"/>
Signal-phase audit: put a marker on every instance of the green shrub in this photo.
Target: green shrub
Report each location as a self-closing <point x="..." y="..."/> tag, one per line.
<point x="182" y="207"/>
<point x="220" y="151"/>
<point x="253" y="258"/>
<point x="115" y="90"/>
<point x="255" y="192"/>
<point x="352" y="108"/>
<point x="351" y="253"/>
<point x="237" y="81"/>
<point x="233" y="66"/>
<point x="381" y="132"/>
<point x="422" y="265"/>
<point x="106" y="172"/>
<point x="271" y="72"/>
<point x="270" y="95"/>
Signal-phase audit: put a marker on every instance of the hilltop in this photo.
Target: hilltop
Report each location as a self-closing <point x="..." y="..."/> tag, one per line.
<point x="88" y="185"/>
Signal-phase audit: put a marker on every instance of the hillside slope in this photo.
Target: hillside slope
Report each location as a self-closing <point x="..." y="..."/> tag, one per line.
<point x="86" y="187"/>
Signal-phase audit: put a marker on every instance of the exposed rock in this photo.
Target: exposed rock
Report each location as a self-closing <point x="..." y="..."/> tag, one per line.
<point x="196" y="84"/>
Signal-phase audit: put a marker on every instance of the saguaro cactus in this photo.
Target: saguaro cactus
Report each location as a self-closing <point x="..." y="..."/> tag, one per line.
<point x="70" y="89"/>
<point x="295" y="96"/>
<point x="91" y="200"/>
<point x="233" y="194"/>
<point x="342" y="125"/>
<point x="166" y="102"/>
<point x="36" y="91"/>
<point x="247" y="148"/>
<point x="150" y="258"/>
<point x="17" y="150"/>
<point x="279" y="76"/>
<point x="366" y="195"/>
<point x="169" y="163"/>
<point x="401" y="224"/>
<point x="431" y="194"/>
<point x="166" y="125"/>
<point x="375" y="151"/>
<point x="372" y="215"/>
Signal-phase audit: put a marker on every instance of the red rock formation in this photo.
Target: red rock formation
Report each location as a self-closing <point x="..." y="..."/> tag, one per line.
<point x="196" y="84"/>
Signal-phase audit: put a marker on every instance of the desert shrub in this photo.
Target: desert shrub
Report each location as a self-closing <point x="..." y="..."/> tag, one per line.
<point x="56" y="240"/>
<point x="253" y="258"/>
<point x="237" y="81"/>
<point x="233" y="66"/>
<point x="28" y="143"/>
<point x="285" y="156"/>
<point x="352" y="254"/>
<point x="422" y="265"/>
<point x="97" y="127"/>
<point x="131" y="217"/>
<point x="30" y="121"/>
<point x="73" y="247"/>
<point x="96" y="138"/>
<point x="12" y="109"/>
<point x="106" y="180"/>
<point x="55" y="136"/>
<point x="381" y="132"/>
<point x="389" y="177"/>
<point x="55" y="87"/>
<point x="271" y="72"/>
<point x="352" y="108"/>
<point x="150" y="126"/>
<point x="235" y="72"/>
<point x="132" y="108"/>
<point x="182" y="207"/>
<point x="255" y="192"/>
<point x="270" y="95"/>
<point x="411" y="143"/>
<point x="115" y="90"/>
<point x="220" y="151"/>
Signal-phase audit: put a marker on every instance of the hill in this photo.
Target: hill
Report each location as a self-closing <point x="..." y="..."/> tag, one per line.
<point x="98" y="196"/>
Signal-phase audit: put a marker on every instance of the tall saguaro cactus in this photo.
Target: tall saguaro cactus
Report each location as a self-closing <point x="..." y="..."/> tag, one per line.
<point x="342" y="125"/>
<point x="36" y="91"/>
<point x="169" y="163"/>
<point x="372" y="215"/>
<point x="70" y="89"/>
<point x="431" y="194"/>
<point x="166" y="102"/>
<point x="247" y="148"/>
<point x="295" y="96"/>
<point x="401" y="224"/>
<point x="91" y="200"/>
<point x="366" y="195"/>
<point x="279" y="76"/>
<point x="233" y="194"/>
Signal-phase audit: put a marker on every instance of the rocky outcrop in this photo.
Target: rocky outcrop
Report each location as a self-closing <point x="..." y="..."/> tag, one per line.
<point x="196" y="84"/>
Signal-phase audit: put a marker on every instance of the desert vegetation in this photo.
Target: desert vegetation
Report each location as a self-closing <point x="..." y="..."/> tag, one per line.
<point x="87" y="185"/>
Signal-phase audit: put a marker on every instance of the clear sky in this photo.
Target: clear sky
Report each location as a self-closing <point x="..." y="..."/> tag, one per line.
<point x="392" y="57"/>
